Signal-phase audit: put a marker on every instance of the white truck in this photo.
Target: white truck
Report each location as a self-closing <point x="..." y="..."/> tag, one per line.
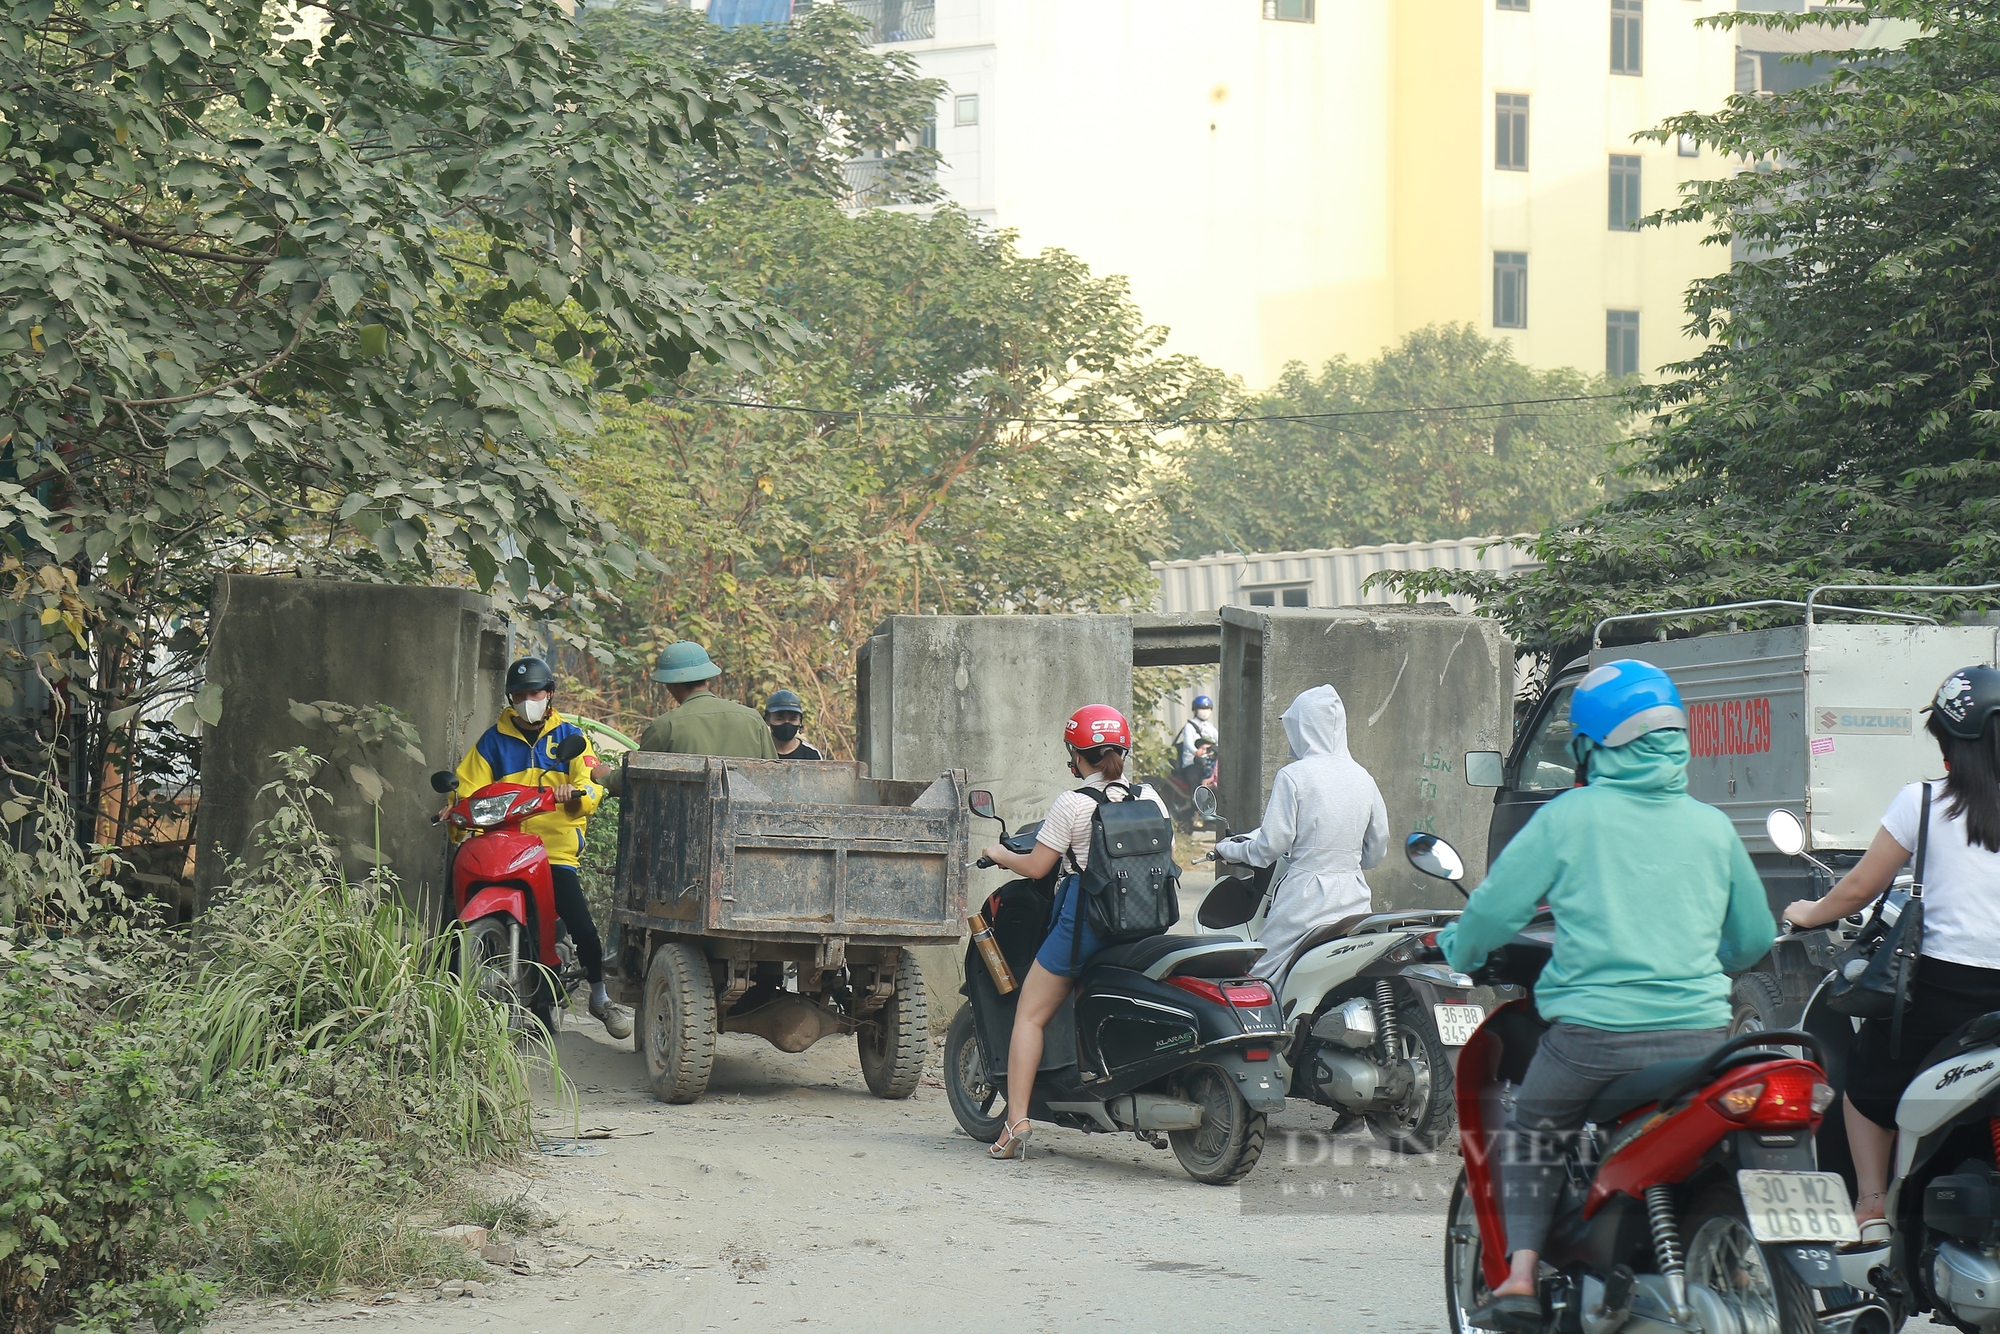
<point x="1822" y="718"/>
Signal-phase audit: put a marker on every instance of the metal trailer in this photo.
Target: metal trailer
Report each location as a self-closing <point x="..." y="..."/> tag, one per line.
<point x="780" y="898"/>
<point x="1820" y="718"/>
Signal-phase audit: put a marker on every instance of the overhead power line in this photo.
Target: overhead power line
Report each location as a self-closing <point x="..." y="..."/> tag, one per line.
<point x="1245" y="419"/>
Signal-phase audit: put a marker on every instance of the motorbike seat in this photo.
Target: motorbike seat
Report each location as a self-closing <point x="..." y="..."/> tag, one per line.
<point x="1157" y="956"/>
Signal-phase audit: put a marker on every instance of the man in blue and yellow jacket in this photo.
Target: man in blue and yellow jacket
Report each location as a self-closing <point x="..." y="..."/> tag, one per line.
<point x="520" y="748"/>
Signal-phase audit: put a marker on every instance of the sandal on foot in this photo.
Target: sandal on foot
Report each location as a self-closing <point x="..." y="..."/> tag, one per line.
<point x="1013" y="1141"/>
<point x="1516" y="1313"/>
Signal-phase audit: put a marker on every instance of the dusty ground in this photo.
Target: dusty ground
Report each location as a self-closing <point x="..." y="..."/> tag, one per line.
<point x="791" y="1197"/>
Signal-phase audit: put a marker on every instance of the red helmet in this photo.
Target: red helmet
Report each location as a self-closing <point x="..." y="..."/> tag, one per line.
<point x="1096" y="725"/>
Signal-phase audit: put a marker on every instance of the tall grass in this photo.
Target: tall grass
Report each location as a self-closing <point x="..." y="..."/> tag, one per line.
<point x="297" y="961"/>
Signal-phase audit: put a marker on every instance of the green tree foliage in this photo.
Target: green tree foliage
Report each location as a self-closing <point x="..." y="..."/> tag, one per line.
<point x="1842" y="425"/>
<point x="788" y="535"/>
<point x="850" y="101"/>
<point x="325" y="289"/>
<point x="1378" y="472"/>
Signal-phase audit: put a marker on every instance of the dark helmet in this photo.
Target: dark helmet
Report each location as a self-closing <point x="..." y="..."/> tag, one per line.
<point x="529" y="674"/>
<point x="1203" y="702"/>
<point x="1968" y="697"/>
<point x="784" y="701"/>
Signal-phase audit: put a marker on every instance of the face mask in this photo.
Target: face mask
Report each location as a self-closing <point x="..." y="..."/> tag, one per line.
<point x="1204" y="714"/>
<point x="783" y="732"/>
<point x="533" y="710"/>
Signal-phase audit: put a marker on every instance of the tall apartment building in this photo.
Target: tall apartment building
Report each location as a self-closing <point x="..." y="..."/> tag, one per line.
<point x="1294" y="179"/>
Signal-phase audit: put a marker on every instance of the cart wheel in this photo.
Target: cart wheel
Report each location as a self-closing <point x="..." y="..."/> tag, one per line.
<point x="895" y="1041"/>
<point x="677" y="1030"/>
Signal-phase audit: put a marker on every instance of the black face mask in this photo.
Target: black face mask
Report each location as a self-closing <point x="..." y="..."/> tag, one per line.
<point x="783" y="732"/>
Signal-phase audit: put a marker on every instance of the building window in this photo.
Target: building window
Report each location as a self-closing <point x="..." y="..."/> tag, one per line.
<point x="1510" y="131"/>
<point x="1510" y="289"/>
<point x="1621" y="342"/>
<point x="1624" y="192"/>
<point x="1298" y="595"/>
<point x="1521" y="5"/>
<point x="965" y="110"/>
<point x="1627" y="40"/>
<point x="928" y="139"/>
<point x="1289" y="11"/>
<point x="892" y="20"/>
<point x="1687" y="145"/>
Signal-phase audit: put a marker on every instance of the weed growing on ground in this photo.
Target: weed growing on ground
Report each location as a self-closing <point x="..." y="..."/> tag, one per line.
<point x="264" y="1111"/>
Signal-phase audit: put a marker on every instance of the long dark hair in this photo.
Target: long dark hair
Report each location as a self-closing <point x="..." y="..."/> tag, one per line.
<point x="1972" y="781"/>
<point x="1107" y="760"/>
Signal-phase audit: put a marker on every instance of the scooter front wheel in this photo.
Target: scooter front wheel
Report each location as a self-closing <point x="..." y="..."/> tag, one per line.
<point x="1230" y="1139"/>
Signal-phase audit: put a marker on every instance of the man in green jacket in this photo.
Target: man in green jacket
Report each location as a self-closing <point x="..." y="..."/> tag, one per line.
<point x="1655" y="903"/>
<point x="702" y="722"/>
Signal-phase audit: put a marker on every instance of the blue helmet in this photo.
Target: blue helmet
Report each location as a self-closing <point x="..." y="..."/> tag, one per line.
<point x="1623" y="700"/>
<point x="1203" y="702"/>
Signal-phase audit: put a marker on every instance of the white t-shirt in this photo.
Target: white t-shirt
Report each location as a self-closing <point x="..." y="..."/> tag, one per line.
<point x="1961" y="881"/>
<point x="1066" y="827"/>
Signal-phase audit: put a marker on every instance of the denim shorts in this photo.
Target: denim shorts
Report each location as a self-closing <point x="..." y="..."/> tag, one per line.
<point x="1063" y="942"/>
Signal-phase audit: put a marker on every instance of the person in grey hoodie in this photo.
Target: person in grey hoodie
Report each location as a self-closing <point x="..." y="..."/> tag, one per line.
<point x="1326" y="818"/>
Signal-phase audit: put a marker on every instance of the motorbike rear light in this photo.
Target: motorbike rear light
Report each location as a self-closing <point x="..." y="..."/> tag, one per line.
<point x="1257" y="1054"/>
<point x="489" y="811"/>
<point x="1428" y="940"/>
<point x="1784" y="1097"/>
<point x="1237" y="995"/>
<point x="1247" y="995"/>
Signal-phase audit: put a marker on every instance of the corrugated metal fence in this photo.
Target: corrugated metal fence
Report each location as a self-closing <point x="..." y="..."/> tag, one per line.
<point x="1330" y="578"/>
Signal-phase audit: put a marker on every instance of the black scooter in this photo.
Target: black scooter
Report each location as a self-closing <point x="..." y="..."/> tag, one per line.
<point x="1164" y="1037"/>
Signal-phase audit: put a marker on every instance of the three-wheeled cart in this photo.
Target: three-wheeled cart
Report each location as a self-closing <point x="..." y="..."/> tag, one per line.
<point x="781" y="898"/>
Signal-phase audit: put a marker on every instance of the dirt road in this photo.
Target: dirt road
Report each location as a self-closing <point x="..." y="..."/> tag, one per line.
<point x="791" y="1198"/>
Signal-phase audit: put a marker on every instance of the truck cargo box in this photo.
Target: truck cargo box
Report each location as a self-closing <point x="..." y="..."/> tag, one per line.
<point x="1825" y="720"/>
<point x="789" y="850"/>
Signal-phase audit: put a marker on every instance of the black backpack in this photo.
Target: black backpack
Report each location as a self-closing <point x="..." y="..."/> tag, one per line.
<point x="1131" y="888"/>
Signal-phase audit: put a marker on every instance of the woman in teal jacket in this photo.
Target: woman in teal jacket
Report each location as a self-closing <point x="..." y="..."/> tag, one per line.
<point x="1655" y="903"/>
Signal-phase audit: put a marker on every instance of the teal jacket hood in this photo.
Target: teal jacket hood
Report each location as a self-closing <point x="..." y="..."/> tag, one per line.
<point x="1655" y="762"/>
<point x="1655" y="899"/>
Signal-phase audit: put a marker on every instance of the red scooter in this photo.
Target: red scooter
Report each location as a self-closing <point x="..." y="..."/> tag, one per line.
<point x="1691" y="1200"/>
<point x="510" y="937"/>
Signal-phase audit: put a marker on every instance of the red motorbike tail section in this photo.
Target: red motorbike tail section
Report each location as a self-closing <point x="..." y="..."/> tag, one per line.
<point x="1478" y="1061"/>
<point x="1674" y="1146"/>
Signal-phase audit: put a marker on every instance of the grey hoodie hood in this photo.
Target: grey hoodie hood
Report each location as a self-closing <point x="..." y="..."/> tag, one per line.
<point x="1316" y="724"/>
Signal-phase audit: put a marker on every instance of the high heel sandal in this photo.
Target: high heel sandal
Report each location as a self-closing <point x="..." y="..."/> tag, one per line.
<point x="1013" y="1141"/>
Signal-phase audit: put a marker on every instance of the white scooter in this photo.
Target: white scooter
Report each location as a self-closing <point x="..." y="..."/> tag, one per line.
<point x="1943" y="1253"/>
<point x="1373" y="1031"/>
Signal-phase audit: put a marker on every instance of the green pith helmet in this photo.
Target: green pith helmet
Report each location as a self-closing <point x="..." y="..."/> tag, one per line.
<point x="684" y="662"/>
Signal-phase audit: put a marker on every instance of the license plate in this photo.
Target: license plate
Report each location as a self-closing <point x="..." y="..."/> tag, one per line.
<point x="1457" y="1023"/>
<point x="1797" y="1206"/>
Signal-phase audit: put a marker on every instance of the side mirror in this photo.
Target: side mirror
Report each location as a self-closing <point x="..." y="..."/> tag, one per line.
<point x="444" y="780"/>
<point x="1785" y="831"/>
<point x="570" y="747"/>
<point x="1485" y="768"/>
<point x="1204" y="801"/>
<point x="980" y="802"/>
<point x="1433" y="856"/>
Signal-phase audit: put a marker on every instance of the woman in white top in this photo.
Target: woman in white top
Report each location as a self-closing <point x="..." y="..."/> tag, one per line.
<point x="1326" y="816"/>
<point x="1098" y="740"/>
<point x="1958" y="976"/>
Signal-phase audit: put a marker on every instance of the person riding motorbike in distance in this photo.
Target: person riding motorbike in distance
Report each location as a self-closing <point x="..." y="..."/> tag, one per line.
<point x="1099" y="740"/>
<point x="1655" y="902"/>
<point x="1326" y="817"/>
<point x="520" y="748"/>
